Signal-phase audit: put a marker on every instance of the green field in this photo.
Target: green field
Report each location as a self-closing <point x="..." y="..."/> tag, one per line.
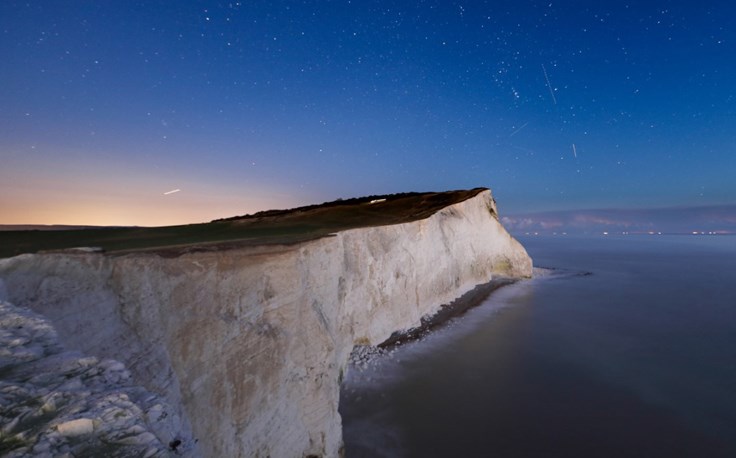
<point x="268" y="227"/>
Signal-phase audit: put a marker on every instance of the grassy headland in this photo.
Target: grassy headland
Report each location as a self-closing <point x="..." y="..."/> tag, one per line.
<point x="266" y="227"/>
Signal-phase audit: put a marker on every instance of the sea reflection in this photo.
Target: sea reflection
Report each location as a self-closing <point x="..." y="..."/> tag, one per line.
<point x="632" y="360"/>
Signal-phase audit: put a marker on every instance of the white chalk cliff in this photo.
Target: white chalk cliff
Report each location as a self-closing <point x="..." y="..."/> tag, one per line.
<point x="250" y="343"/>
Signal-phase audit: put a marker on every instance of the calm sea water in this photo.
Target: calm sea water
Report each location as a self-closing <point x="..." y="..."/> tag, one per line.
<point x="637" y="359"/>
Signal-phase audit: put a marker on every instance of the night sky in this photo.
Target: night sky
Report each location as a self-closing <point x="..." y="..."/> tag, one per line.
<point x="244" y="106"/>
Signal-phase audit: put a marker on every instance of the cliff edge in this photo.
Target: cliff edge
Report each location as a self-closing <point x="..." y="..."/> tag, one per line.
<point x="250" y="341"/>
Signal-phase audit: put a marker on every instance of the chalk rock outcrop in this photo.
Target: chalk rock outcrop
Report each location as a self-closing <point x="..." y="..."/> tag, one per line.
<point x="61" y="403"/>
<point x="250" y="343"/>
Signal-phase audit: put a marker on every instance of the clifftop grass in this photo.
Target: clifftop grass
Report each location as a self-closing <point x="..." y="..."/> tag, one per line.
<point x="262" y="228"/>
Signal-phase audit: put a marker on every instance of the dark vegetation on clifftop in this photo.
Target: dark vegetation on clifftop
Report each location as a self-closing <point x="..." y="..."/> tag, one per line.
<point x="262" y="228"/>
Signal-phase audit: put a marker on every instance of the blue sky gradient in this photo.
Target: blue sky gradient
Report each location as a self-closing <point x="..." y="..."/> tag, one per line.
<point x="246" y="106"/>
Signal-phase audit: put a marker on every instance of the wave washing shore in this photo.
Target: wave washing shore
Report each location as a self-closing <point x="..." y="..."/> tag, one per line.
<point x="373" y="369"/>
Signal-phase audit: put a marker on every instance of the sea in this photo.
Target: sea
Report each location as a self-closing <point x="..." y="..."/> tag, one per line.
<point x="620" y="346"/>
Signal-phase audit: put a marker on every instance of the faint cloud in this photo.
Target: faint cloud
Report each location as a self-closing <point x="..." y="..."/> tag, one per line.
<point x="721" y="219"/>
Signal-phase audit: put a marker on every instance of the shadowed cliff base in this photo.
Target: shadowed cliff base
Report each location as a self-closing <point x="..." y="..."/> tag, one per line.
<point x="262" y="228"/>
<point x="456" y="308"/>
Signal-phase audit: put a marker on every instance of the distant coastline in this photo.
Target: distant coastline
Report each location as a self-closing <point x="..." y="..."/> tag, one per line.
<point x="703" y="220"/>
<point x="615" y="233"/>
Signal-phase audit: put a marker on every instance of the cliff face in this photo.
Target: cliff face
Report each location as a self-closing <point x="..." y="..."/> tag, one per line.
<point x="251" y="342"/>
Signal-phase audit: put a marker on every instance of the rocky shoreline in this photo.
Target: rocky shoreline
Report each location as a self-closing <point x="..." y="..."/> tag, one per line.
<point x="456" y="308"/>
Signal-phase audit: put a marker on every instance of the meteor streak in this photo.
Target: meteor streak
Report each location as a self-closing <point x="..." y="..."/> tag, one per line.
<point x="551" y="92"/>
<point x="519" y="129"/>
<point x="171" y="192"/>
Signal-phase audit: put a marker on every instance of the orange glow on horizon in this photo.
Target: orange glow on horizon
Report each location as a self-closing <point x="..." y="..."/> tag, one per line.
<point x="134" y="215"/>
<point x="104" y="192"/>
<point x="135" y="210"/>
